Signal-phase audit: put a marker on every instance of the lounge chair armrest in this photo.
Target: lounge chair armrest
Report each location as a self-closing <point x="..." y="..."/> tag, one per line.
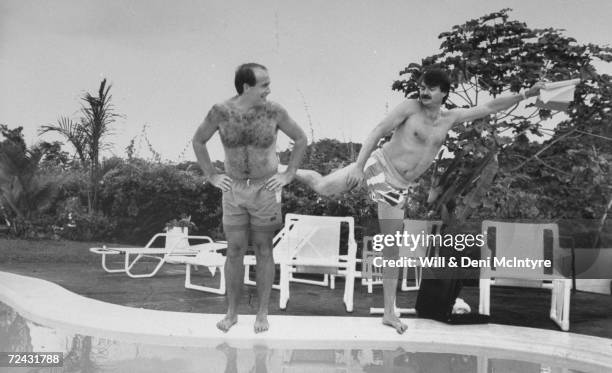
<point x="206" y="238"/>
<point x="209" y="246"/>
<point x="155" y="237"/>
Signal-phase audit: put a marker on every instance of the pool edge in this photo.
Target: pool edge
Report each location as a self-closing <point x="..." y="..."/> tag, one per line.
<point x="97" y="318"/>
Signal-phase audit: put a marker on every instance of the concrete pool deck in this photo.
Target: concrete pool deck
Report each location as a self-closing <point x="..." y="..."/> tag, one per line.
<point x="590" y="314"/>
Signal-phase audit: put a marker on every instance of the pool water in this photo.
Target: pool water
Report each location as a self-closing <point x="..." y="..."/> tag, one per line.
<point x="85" y="353"/>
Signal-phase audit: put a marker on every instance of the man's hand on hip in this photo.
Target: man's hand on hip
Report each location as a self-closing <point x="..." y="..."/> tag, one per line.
<point x="221" y="181"/>
<point x="279" y="180"/>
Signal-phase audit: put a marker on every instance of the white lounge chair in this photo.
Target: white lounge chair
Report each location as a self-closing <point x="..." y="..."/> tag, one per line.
<point x="311" y="244"/>
<point x="521" y="240"/>
<point x="279" y="250"/>
<point x="210" y="259"/>
<point x="214" y="261"/>
<point x="175" y="245"/>
<point x="373" y="273"/>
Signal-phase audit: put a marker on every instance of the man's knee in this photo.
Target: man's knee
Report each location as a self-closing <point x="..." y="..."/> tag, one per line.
<point x="325" y="187"/>
<point x="332" y="184"/>
<point x="263" y="250"/>
<point x="236" y="246"/>
<point x="262" y="244"/>
<point x="235" y="253"/>
<point x="311" y="178"/>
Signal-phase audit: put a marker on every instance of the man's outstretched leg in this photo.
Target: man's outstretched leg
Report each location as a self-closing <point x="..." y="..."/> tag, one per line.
<point x="391" y="220"/>
<point x="237" y="243"/>
<point x="326" y="185"/>
<point x="262" y="242"/>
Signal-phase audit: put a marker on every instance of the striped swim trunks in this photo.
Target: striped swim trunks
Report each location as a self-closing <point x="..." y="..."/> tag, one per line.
<point x="385" y="184"/>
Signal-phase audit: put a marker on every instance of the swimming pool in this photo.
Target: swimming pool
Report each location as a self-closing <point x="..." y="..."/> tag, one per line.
<point x="96" y="336"/>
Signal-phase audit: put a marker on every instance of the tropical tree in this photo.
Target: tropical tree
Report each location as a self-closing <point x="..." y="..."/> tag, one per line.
<point x="54" y="155"/>
<point x="87" y="135"/>
<point x="73" y="132"/>
<point x="515" y="164"/>
<point x="25" y="192"/>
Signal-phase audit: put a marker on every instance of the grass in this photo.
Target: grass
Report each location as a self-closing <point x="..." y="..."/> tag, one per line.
<point x="47" y="251"/>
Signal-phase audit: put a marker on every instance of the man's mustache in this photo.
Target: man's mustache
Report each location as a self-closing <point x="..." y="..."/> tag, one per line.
<point x="426" y="96"/>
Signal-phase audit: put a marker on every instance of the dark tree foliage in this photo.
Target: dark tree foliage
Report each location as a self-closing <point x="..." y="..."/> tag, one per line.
<point x="494" y="167"/>
<point x="27" y="193"/>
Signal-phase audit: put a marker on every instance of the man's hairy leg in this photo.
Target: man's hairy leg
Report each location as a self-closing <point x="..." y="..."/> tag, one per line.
<point x="326" y="185"/>
<point x="391" y="220"/>
<point x="237" y="243"/>
<point x="262" y="242"/>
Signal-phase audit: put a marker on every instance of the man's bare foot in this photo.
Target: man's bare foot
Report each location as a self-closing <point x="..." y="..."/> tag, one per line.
<point x="226" y="349"/>
<point x="227" y="322"/>
<point x="394" y="322"/>
<point x="261" y="324"/>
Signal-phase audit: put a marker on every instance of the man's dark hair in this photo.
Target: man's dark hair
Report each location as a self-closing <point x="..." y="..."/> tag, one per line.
<point x="436" y="77"/>
<point x="245" y="74"/>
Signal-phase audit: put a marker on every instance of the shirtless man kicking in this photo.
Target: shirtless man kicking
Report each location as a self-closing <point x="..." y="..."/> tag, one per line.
<point x="251" y="184"/>
<point x="420" y="128"/>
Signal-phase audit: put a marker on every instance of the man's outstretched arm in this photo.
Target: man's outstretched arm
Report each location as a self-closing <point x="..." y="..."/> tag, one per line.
<point x="204" y="132"/>
<point x="396" y="117"/>
<point x="497" y="105"/>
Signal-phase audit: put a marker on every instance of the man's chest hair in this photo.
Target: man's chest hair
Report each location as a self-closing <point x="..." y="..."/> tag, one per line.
<point x="256" y="128"/>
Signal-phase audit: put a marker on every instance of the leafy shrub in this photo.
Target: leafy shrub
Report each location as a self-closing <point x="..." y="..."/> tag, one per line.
<point x="83" y="226"/>
<point x="141" y="197"/>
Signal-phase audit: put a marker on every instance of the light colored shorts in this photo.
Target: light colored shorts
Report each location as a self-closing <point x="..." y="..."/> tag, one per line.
<point x="248" y="205"/>
<point x="385" y="184"/>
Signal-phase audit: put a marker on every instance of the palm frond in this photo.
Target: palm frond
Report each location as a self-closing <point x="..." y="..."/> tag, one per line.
<point x="74" y="132"/>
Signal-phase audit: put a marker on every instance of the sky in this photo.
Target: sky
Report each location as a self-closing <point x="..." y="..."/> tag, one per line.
<point x="331" y="62"/>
